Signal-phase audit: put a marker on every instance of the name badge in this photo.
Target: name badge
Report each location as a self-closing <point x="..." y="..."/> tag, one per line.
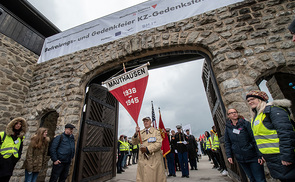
<point x="256" y="122"/>
<point x="152" y="140"/>
<point x="16" y="142"/>
<point x="236" y="131"/>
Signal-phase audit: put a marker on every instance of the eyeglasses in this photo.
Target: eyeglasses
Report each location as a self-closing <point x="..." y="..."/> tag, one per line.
<point x="232" y="113"/>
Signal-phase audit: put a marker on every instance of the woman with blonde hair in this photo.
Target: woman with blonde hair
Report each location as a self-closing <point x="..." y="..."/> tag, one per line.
<point x="36" y="155"/>
<point x="274" y="134"/>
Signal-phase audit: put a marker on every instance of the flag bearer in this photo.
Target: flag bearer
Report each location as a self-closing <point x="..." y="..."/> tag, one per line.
<point x="150" y="161"/>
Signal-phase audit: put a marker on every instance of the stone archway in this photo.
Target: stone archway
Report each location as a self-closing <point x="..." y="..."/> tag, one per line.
<point x="244" y="41"/>
<point x="49" y="121"/>
<point x="278" y="86"/>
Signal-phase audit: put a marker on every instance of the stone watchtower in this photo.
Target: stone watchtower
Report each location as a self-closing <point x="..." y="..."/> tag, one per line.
<point x="242" y="44"/>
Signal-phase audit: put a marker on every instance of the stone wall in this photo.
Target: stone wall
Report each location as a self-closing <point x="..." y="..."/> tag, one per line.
<point x="274" y="88"/>
<point x="16" y="72"/>
<point x="246" y="41"/>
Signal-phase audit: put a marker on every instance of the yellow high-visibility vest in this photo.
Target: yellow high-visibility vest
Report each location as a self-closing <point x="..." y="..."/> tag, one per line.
<point x="215" y="142"/>
<point x="10" y="147"/>
<point x="130" y="147"/>
<point x="134" y="147"/>
<point x="126" y="146"/>
<point x="122" y="146"/>
<point x="209" y="143"/>
<point x="267" y="140"/>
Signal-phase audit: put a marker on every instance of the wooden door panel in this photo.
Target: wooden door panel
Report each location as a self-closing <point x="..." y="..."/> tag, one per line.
<point x="97" y="142"/>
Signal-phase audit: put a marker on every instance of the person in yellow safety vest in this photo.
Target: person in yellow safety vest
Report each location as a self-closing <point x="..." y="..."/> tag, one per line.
<point x="209" y="147"/>
<point x="130" y="146"/>
<point x="135" y="154"/>
<point x="274" y="134"/>
<point x="218" y="153"/>
<point x="11" y="145"/>
<point x="121" y="153"/>
<point x="126" y="150"/>
<point x="214" y="152"/>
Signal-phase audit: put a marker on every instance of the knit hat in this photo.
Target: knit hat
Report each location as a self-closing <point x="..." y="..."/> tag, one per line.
<point x="292" y="27"/>
<point x="258" y="94"/>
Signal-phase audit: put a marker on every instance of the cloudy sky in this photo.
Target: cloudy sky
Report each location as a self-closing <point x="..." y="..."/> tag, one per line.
<point x="177" y="90"/>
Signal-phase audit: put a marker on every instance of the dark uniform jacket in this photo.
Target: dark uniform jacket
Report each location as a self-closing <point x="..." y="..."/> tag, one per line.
<point x="179" y="142"/>
<point x="172" y="143"/>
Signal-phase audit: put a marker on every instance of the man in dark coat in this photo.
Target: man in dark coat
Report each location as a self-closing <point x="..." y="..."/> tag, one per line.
<point x="181" y="141"/>
<point x="62" y="151"/>
<point x="192" y="148"/>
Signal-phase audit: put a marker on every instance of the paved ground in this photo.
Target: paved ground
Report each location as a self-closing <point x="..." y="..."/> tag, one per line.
<point x="205" y="173"/>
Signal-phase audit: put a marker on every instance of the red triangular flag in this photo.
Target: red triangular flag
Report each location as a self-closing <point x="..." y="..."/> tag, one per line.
<point x="129" y="89"/>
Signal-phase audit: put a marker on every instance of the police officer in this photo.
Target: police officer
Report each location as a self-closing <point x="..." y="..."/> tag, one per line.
<point x="181" y="141"/>
<point x="150" y="161"/>
<point x="11" y="145"/>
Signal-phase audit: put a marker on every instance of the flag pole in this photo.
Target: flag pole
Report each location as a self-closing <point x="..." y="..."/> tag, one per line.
<point x="166" y="165"/>
<point x="124" y="68"/>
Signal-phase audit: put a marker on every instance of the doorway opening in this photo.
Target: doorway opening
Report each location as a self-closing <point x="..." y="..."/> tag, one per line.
<point x="156" y="61"/>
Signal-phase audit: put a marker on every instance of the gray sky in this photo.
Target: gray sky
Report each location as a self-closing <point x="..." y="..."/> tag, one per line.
<point x="178" y="90"/>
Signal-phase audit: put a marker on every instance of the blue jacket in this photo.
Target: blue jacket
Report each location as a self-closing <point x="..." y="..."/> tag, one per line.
<point x="63" y="150"/>
<point x="242" y="145"/>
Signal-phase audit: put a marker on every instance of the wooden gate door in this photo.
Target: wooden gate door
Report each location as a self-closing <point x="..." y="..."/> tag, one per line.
<point x="96" y="157"/>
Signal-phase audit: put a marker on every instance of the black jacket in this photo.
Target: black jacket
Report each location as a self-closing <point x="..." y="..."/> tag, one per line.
<point x="192" y="146"/>
<point x="242" y="145"/>
<point x="278" y="119"/>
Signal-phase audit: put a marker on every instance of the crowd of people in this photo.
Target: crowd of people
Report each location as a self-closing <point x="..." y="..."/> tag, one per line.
<point x="127" y="153"/>
<point x="269" y="137"/>
<point x="61" y="151"/>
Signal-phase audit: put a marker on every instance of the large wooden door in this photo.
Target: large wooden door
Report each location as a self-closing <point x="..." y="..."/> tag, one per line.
<point x="96" y="157"/>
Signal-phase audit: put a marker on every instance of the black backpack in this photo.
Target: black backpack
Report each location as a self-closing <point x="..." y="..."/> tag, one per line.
<point x="50" y="143"/>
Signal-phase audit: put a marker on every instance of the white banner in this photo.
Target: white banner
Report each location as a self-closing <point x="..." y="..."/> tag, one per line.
<point x="144" y="16"/>
<point x="128" y="77"/>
